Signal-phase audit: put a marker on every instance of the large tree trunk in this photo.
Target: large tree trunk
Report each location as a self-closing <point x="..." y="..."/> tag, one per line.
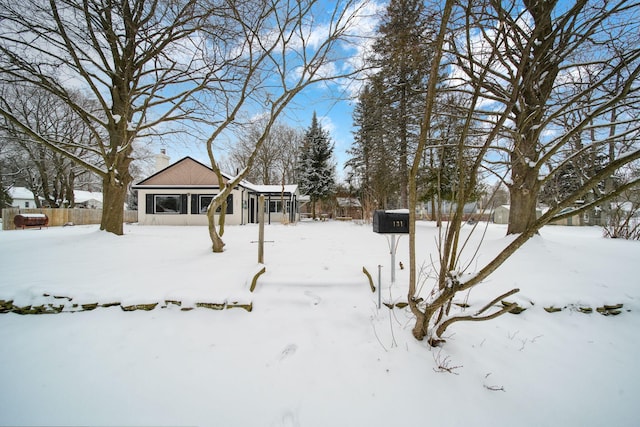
<point x="524" y="197"/>
<point x="535" y="91"/>
<point x="115" y="182"/>
<point x="114" y="196"/>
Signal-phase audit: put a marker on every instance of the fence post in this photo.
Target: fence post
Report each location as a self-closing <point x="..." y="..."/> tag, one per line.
<point x="7" y="218"/>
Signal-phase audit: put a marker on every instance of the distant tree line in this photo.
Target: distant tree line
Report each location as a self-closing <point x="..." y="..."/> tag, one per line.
<point x="547" y="105"/>
<point x="125" y="73"/>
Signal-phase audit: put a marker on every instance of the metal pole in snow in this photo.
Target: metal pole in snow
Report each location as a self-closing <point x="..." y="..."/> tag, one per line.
<point x="393" y="258"/>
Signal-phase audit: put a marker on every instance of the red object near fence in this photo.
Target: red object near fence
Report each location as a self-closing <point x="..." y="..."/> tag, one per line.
<point x="31" y="220"/>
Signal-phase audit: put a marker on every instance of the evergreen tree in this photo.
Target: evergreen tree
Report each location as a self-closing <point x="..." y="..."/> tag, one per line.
<point x="372" y="162"/>
<point x="448" y="168"/>
<point x="392" y="103"/>
<point x="316" y="170"/>
<point x="402" y="54"/>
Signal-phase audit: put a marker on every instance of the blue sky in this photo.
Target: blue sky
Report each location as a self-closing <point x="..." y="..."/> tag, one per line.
<point x="335" y="116"/>
<point x="332" y="103"/>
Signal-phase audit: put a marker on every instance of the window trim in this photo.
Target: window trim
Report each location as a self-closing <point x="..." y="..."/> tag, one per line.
<point x="189" y="203"/>
<point x="196" y="203"/>
<point x="277" y="203"/>
<point x="181" y="207"/>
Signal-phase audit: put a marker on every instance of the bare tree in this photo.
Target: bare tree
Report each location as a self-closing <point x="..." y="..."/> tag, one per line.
<point x="5" y="177"/>
<point x="141" y="61"/>
<point x="280" y="49"/>
<point x="511" y="59"/>
<point x="538" y="62"/>
<point x="49" y="175"/>
<point x="276" y="158"/>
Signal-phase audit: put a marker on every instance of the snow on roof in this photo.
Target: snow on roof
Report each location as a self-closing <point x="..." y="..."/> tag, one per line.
<point x="20" y="193"/>
<point x="290" y="188"/>
<point x="82" y="196"/>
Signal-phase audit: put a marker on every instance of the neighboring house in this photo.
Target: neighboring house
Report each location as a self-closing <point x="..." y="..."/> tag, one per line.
<point x="423" y="210"/>
<point x="180" y="193"/>
<point x="87" y="199"/>
<point x="501" y="214"/>
<point x="22" y="198"/>
<point x="348" y="207"/>
<point x="570" y="220"/>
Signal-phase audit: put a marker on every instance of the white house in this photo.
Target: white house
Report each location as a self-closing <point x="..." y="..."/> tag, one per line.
<point x="22" y="198"/>
<point x="87" y="199"/>
<point x="180" y="193"/>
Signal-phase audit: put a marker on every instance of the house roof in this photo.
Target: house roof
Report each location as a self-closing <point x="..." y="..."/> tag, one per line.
<point x="190" y="173"/>
<point x="20" y="193"/>
<point x="82" y="196"/>
<point x="272" y="189"/>
<point x="186" y="172"/>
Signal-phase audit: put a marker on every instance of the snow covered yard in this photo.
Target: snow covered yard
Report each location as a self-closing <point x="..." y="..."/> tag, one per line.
<point x="315" y="350"/>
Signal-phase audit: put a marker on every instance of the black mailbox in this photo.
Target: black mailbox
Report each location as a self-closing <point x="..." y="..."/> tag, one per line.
<point x="391" y="222"/>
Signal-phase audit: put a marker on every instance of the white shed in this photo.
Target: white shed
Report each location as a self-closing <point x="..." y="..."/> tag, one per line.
<point x="501" y="214"/>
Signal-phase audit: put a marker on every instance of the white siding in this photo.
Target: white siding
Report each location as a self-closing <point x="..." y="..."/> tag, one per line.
<point x="239" y="215"/>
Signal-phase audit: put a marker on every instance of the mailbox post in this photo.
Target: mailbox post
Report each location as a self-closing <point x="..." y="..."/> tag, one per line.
<point x="392" y="222"/>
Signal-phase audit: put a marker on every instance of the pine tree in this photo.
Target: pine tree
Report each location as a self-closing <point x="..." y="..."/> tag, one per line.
<point x="316" y="170"/>
<point x="373" y="163"/>
<point x="391" y="105"/>
<point x="448" y="168"/>
<point x="403" y="54"/>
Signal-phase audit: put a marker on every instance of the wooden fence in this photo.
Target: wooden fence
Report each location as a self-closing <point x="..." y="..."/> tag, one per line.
<point x="59" y="216"/>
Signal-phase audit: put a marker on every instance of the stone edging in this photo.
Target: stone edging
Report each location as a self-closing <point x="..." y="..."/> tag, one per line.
<point x="64" y="304"/>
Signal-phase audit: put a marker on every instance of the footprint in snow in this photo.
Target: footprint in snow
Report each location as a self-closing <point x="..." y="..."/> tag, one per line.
<point x="288" y="351"/>
<point x="288" y="419"/>
<point x="315" y="299"/>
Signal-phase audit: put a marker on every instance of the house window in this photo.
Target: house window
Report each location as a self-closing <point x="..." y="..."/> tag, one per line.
<point x="26" y="204"/>
<point x="276" y="206"/>
<point x="200" y="203"/>
<point x="204" y="203"/>
<point x="167" y="204"/>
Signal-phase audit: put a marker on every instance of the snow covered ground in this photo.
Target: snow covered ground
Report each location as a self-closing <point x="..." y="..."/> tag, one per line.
<point x="315" y="350"/>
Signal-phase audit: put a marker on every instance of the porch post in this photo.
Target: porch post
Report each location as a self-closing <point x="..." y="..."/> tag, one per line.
<point x="261" y="229"/>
